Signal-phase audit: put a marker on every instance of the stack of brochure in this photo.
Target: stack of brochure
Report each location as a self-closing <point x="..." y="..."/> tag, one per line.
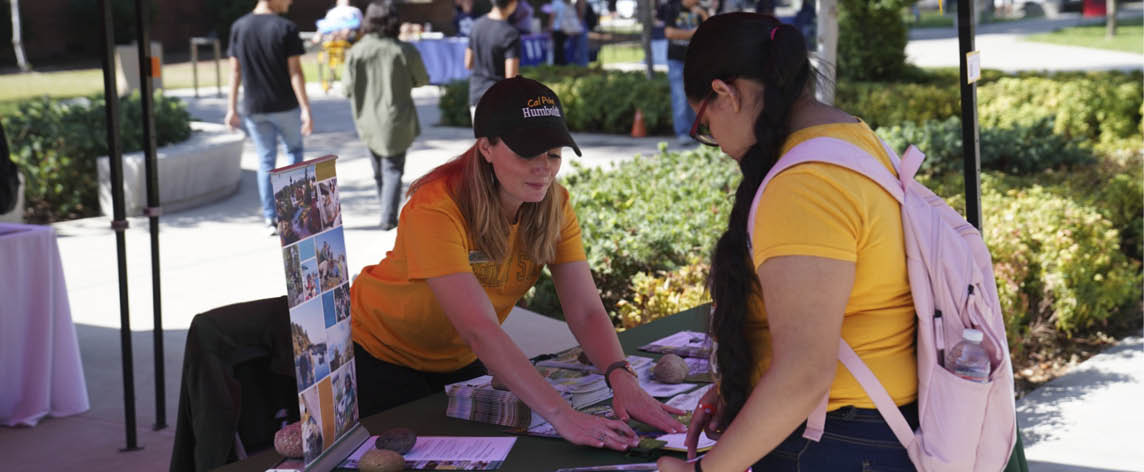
<point x="477" y="400"/>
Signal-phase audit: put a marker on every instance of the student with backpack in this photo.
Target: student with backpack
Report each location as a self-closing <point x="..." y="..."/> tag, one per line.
<point x="825" y="260"/>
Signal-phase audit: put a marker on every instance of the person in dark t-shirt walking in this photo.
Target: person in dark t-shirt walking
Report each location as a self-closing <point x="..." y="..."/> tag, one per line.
<point x="266" y="51"/>
<point x="494" y="51"/>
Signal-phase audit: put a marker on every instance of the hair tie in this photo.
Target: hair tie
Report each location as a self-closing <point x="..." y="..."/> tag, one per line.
<point x="773" y="30"/>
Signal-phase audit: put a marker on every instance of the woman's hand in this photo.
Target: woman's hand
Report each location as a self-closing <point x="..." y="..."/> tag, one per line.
<point x="708" y="417"/>
<point x="588" y="430"/>
<point x="631" y="401"/>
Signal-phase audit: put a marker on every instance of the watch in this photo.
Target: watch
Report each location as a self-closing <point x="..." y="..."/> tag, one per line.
<point x="623" y="364"/>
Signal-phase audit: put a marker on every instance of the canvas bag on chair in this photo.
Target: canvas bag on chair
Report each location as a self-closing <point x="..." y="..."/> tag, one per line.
<point x="963" y="425"/>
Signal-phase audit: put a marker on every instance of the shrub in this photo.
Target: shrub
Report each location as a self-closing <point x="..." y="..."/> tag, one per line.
<point x="1096" y="110"/>
<point x="594" y="99"/>
<point x="871" y="39"/>
<point x="56" y="145"/>
<point x="1020" y="150"/>
<point x="886" y="104"/>
<point x="1056" y="260"/>
<point x="665" y="293"/>
<point x="649" y="215"/>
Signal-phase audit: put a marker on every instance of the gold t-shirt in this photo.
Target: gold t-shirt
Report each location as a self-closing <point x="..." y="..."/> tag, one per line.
<point x="818" y="209"/>
<point x="396" y="317"/>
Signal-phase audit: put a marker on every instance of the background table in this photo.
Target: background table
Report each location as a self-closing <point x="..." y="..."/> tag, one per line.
<point x="444" y="58"/>
<point x="39" y="355"/>
<point x="532" y="454"/>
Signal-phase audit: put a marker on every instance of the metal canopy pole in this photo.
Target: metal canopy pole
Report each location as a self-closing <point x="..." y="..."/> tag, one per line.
<point x="969" y="133"/>
<point x="118" y="223"/>
<point x="148" y="69"/>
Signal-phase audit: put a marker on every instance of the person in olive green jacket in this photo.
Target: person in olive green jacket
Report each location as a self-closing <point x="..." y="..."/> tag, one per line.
<point x="380" y="75"/>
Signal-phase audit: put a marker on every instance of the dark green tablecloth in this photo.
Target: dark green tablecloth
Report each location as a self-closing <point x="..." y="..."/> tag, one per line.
<point x="531" y="454"/>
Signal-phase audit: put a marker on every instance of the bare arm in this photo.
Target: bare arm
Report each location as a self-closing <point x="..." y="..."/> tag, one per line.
<point x="805" y="298"/>
<point x="677" y="33"/>
<point x="468" y="308"/>
<point x="589" y="322"/>
<point x="469" y="58"/>
<point x="511" y="67"/>
<point x="231" y="118"/>
<point x="298" y="83"/>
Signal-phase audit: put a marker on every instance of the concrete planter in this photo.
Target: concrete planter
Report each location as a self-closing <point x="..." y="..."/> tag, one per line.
<point x="200" y="170"/>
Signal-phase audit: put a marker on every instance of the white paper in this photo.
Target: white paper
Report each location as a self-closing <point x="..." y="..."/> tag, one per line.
<point x="688" y="401"/>
<point x="459" y="452"/>
<point x="677" y="441"/>
<point x="460" y="448"/>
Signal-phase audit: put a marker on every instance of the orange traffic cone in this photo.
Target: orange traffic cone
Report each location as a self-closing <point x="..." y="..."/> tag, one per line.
<point x="639" y="130"/>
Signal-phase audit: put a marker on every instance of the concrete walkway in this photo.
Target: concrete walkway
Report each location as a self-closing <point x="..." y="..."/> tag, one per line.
<point x="220" y="254"/>
<point x="1003" y="47"/>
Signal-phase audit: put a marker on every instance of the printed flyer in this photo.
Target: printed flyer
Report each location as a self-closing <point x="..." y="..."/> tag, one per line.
<point x="317" y="287"/>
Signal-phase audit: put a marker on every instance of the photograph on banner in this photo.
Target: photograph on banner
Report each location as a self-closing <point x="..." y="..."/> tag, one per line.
<point x="341" y="349"/>
<point x="342" y="302"/>
<point x="330" y="208"/>
<point x="332" y="269"/>
<point x="317" y="413"/>
<point x="296" y="202"/>
<point x="308" y="330"/>
<point x="345" y="398"/>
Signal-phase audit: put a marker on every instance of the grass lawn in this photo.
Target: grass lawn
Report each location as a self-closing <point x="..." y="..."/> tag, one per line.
<point x="1129" y="37"/>
<point x="621" y="52"/>
<point x="17" y="87"/>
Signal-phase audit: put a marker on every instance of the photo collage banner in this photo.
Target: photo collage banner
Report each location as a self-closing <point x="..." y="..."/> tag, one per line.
<point x="318" y="291"/>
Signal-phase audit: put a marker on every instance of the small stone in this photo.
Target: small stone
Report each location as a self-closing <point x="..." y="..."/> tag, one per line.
<point x="670" y="369"/>
<point x="288" y="440"/>
<point x="399" y="440"/>
<point x="381" y="460"/>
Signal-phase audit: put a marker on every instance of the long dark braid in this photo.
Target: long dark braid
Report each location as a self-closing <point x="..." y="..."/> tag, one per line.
<point x="781" y="65"/>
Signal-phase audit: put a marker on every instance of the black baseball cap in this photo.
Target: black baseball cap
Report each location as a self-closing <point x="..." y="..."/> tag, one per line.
<point x="524" y="113"/>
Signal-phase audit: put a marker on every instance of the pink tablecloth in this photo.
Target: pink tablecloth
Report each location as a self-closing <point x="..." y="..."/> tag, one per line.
<point x="40" y="369"/>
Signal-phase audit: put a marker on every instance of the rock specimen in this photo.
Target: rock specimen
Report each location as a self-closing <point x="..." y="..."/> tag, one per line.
<point x="288" y="440"/>
<point x="399" y="440"/>
<point x="381" y="460"/>
<point x="670" y="369"/>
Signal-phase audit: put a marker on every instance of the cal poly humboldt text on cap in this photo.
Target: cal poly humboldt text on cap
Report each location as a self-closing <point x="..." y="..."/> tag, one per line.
<point x="525" y="114"/>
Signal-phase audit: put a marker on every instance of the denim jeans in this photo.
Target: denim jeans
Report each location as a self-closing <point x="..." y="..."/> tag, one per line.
<point x="855" y="439"/>
<point x="682" y="115"/>
<point x="265" y="129"/>
<point x="387" y="171"/>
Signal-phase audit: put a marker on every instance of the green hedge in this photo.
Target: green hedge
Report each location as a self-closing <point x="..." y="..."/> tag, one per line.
<point x="594" y="99"/>
<point x="1020" y="150"/>
<point x="1093" y="109"/>
<point x="1060" y="255"/>
<point x="648" y="214"/>
<point x="55" y="143"/>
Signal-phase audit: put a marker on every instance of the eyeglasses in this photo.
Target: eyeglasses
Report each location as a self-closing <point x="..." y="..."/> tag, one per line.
<point x="699" y="131"/>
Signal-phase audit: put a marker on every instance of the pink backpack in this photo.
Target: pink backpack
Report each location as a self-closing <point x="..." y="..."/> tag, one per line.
<point x="963" y="425"/>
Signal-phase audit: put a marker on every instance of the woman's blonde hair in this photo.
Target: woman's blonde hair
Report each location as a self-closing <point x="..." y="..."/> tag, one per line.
<point x="473" y="185"/>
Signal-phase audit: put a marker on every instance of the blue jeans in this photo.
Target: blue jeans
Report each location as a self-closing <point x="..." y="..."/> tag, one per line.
<point x="387" y="171"/>
<point x="682" y="115"/>
<point x="856" y="439"/>
<point x="265" y="129"/>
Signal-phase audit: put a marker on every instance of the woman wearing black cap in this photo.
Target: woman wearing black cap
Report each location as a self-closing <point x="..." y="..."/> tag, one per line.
<point x="471" y="241"/>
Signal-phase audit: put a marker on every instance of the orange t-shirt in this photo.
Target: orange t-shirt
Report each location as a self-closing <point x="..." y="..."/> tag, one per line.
<point x="396" y="317"/>
<point x="823" y="210"/>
